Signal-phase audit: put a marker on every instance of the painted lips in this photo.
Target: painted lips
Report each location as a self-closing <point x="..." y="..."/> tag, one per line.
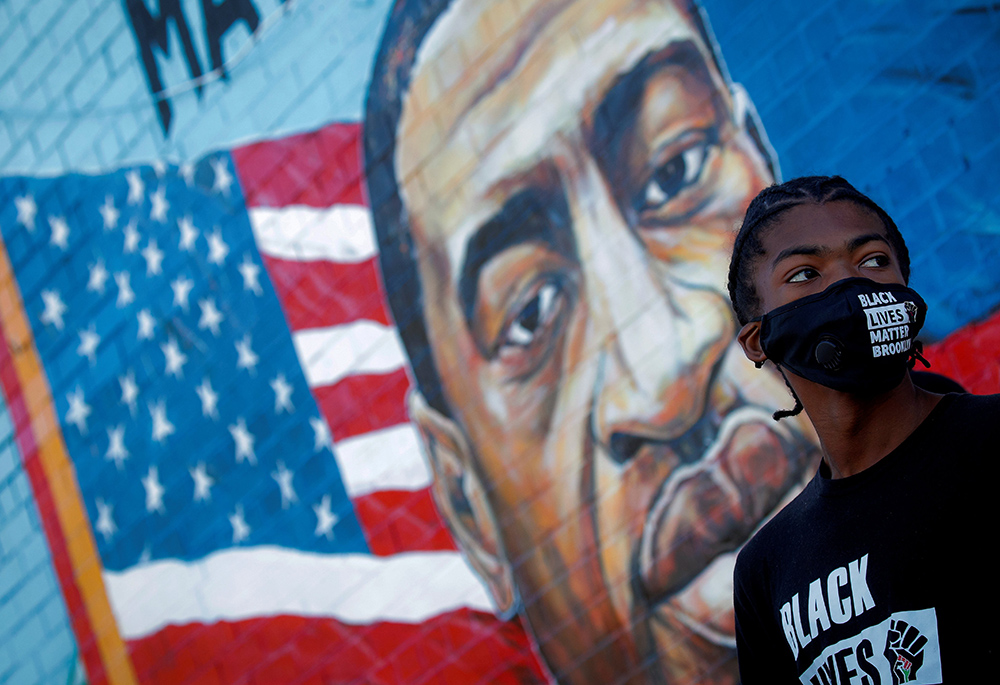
<point x="712" y="506"/>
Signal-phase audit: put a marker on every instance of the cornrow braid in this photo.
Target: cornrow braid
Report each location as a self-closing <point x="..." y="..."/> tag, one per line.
<point x="794" y="411"/>
<point x="765" y="209"/>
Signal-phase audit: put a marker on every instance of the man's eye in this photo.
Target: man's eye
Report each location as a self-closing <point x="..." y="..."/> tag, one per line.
<point x="531" y="321"/>
<point x="876" y="261"/>
<point x="671" y="178"/>
<point x="803" y="275"/>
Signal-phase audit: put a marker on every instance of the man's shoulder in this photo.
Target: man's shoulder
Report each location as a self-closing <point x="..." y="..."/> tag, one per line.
<point x="971" y="417"/>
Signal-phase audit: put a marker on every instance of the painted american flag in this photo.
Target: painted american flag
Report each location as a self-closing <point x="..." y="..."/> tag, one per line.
<point x="231" y="395"/>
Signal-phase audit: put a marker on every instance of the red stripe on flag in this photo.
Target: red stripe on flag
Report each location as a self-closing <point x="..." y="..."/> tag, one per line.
<point x="318" y="169"/>
<point x="463" y="647"/>
<point x="402" y="521"/>
<point x="364" y="403"/>
<point x="969" y="355"/>
<point x="321" y="293"/>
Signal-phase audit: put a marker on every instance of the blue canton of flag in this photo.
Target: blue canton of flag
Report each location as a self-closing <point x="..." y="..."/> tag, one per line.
<point x="180" y="396"/>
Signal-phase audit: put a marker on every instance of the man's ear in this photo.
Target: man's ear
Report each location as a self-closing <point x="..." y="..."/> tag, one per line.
<point x="461" y="498"/>
<point x="749" y="340"/>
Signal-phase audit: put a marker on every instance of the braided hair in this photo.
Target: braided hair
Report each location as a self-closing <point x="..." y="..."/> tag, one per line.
<point x="763" y="211"/>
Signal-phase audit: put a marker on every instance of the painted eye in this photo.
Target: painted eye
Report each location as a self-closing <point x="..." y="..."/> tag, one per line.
<point x="675" y="175"/>
<point x="533" y="318"/>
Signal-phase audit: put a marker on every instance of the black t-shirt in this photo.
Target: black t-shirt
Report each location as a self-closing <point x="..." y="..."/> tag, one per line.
<point x="887" y="576"/>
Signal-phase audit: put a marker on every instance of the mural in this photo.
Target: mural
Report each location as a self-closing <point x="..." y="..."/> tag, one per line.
<point x="347" y="342"/>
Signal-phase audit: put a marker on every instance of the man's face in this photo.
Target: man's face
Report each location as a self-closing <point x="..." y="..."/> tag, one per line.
<point x="811" y="246"/>
<point x="573" y="190"/>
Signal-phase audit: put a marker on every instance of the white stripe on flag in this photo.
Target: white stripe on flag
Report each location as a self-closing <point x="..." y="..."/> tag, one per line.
<point x="238" y="584"/>
<point x="387" y="459"/>
<point x="329" y="354"/>
<point x="342" y="233"/>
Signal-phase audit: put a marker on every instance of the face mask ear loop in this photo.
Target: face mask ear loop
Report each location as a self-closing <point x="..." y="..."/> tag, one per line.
<point x="915" y="351"/>
<point x="794" y="411"/>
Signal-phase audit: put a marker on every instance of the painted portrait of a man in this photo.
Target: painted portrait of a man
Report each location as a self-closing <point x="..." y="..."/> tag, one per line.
<point x="555" y="187"/>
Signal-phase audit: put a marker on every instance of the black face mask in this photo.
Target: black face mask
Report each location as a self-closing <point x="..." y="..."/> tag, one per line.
<point x="856" y="336"/>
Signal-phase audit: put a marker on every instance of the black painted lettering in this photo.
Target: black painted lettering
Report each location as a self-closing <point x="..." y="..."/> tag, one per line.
<point x="219" y="19"/>
<point x="151" y="32"/>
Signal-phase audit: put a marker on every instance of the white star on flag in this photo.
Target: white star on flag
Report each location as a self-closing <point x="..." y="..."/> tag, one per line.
<point x="89" y="340"/>
<point x="251" y="275"/>
<point x="146" y="325"/>
<point x="154" y="491"/>
<point x="162" y="428"/>
<point x="98" y="277"/>
<point x="202" y="483"/>
<point x="325" y="519"/>
<point x="26" y="211"/>
<point x="282" y="394"/>
<point x="136" y="188"/>
<point x="244" y="442"/>
<point x="54" y="309"/>
<point x="209" y="398"/>
<point x="321" y="434"/>
<point x="186" y="172"/>
<point x="189" y="234"/>
<point x="223" y="179"/>
<point x="110" y="214"/>
<point x="105" y="523"/>
<point x="117" y="451"/>
<point x="182" y="288"/>
<point x="217" y="248"/>
<point x="78" y="411"/>
<point x="132" y="237"/>
<point x="246" y="357"/>
<point x="211" y="317"/>
<point x="154" y="258"/>
<point x="126" y="295"/>
<point x="174" y="358"/>
<point x="60" y="232"/>
<point x="241" y="531"/>
<point x="283" y="477"/>
<point x="158" y="210"/>
<point x="130" y="391"/>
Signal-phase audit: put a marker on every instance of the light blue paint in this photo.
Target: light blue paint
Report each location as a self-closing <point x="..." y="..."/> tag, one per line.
<point x="68" y="73"/>
<point x="37" y="645"/>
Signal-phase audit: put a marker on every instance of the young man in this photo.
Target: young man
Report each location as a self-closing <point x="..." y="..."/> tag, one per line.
<point x="875" y="572"/>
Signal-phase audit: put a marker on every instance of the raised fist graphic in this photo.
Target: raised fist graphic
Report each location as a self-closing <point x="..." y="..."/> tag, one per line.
<point x="904" y="648"/>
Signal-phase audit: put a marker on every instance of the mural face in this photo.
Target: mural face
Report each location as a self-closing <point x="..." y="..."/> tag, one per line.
<point x="608" y="449"/>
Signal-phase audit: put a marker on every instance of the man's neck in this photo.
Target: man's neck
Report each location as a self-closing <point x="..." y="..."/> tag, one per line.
<point x="857" y="432"/>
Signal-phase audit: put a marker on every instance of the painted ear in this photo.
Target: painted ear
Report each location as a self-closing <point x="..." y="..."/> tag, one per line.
<point x="461" y="498"/>
<point x="745" y="115"/>
<point x="749" y="340"/>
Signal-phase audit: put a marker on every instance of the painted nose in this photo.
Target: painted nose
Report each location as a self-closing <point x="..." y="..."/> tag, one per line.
<point x="658" y="339"/>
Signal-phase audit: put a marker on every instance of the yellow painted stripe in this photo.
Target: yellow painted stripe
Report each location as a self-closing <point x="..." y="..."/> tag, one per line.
<point x="70" y="512"/>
